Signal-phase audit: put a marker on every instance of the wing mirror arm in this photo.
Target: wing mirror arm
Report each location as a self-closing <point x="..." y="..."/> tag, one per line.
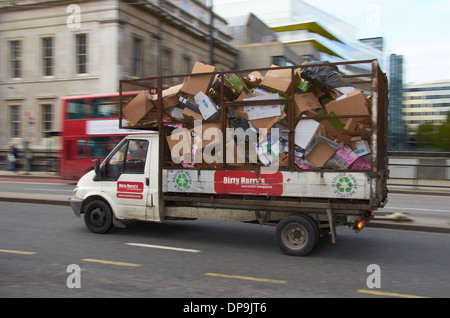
<point x="99" y="174"/>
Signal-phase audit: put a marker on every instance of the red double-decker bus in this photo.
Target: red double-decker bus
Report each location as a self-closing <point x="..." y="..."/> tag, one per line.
<point x="90" y="129"/>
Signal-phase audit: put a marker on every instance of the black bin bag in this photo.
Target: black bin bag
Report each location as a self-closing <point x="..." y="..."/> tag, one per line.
<point x="326" y="77"/>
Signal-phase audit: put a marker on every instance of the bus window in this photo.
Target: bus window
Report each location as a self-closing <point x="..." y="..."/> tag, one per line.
<point x="99" y="147"/>
<point x="77" y="109"/>
<point x="104" y="108"/>
<point x="81" y="145"/>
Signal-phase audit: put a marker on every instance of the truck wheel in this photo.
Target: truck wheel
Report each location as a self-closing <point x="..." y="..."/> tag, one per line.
<point x="297" y="235"/>
<point x="98" y="217"/>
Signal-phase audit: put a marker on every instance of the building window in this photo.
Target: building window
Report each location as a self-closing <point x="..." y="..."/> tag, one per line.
<point x="16" y="59"/>
<point x="47" y="56"/>
<point x="15" y="121"/>
<point x="167" y="64"/>
<point x="46" y="117"/>
<point x="136" y="62"/>
<point x="186" y="65"/>
<point x="279" y="60"/>
<point x="81" y="54"/>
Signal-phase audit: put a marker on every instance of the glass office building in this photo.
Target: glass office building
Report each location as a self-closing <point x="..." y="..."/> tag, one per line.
<point x="309" y="31"/>
<point x="396" y="125"/>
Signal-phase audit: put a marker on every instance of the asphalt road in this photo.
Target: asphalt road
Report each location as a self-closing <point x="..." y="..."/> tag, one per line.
<point x="202" y="259"/>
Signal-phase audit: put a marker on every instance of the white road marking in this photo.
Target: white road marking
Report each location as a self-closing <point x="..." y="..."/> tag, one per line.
<point x="164" y="247"/>
<point x="416" y="209"/>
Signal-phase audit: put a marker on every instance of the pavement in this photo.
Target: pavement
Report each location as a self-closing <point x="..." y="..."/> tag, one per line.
<point x="400" y="221"/>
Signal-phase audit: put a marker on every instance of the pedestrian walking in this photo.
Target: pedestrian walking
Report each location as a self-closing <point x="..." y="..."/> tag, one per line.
<point x="13" y="156"/>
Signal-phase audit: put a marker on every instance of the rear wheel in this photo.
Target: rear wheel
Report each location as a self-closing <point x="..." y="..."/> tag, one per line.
<point x="297" y="234"/>
<point x="98" y="217"/>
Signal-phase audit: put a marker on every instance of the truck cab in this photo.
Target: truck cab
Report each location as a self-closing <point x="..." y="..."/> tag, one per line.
<point x="123" y="186"/>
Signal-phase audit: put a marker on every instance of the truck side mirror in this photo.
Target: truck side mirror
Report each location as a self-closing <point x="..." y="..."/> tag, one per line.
<point x="98" y="170"/>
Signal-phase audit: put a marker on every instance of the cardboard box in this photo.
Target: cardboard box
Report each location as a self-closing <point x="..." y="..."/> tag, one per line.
<point x="253" y="79"/>
<point x="280" y="80"/>
<point x="186" y="102"/>
<point x="361" y="164"/>
<point x="267" y="123"/>
<point x="229" y="92"/>
<point x="180" y="145"/>
<point x="269" y="150"/>
<point x="207" y="107"/>
<point x="206" y="134"/>
<point x="347" y="155"/>
<point x="305" y="131"/>
<point x="189" y="114"/>
<point x="169" y="97"/>
<point x="258" y="112"/>
<point x="354" y="103"/>
<point x="237" y="82"/>
<point x="362" y="148"/>
<point x="199" y="83"/>
<point x="137" y="108"/>
<point x="175" y="112"/>
<point x="320" y="154"/>
<point x="305" y="102"/>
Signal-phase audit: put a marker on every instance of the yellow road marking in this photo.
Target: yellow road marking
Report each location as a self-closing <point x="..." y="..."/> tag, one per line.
<point x="17" y="252"/>
<point x="265" y="280"/>
<point x="110" y="262"/>
<point x="380" y="293"/>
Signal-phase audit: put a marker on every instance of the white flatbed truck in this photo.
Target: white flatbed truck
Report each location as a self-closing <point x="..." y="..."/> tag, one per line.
<point x="135" y="182"/>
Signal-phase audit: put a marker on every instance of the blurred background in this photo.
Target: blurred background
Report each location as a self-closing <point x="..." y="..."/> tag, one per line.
<point x="54" y="50"/>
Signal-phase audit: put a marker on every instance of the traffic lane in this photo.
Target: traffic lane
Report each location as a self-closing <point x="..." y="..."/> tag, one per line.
<point x="411" y="263"/>
<point x="36" y="187"/>
<point x="418" y="205"/>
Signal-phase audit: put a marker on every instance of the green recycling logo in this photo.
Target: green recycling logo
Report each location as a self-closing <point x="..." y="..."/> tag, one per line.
<point x="182" y="181"/>
<point x="344" y="185"/>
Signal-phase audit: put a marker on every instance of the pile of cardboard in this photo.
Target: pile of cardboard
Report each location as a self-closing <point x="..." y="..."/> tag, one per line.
<point x="332" y="129"/>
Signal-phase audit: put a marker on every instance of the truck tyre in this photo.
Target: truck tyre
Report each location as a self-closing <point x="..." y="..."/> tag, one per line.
<point x="98" y="217"/>
<point x="297" y="234"/>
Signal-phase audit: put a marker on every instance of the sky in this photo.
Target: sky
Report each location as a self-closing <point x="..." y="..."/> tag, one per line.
<point x="417" y="29"/>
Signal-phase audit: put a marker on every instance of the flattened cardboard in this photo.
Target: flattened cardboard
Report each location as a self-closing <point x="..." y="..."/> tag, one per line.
<point x="199" y="83"/>
<point x="137" y="108"/>
<point x="320" y="154"/>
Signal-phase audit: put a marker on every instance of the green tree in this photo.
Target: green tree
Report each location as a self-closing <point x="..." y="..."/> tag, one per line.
<point x="434" y="136"/>
<point x="426" y="135"/>
<point x="443" y="134"/>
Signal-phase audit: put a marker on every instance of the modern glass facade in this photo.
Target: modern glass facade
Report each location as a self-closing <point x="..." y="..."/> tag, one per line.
<point x="396" y="126"/>
<point x="295" y="22"/>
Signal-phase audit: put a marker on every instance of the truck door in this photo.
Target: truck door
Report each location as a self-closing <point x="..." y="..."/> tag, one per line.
<point x="126" y="178"/>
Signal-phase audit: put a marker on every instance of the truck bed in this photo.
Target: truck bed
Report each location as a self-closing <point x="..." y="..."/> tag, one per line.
<point x="249" y="186"/>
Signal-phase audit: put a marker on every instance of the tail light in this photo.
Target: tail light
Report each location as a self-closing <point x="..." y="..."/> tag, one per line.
<point x="359" y="225"/>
